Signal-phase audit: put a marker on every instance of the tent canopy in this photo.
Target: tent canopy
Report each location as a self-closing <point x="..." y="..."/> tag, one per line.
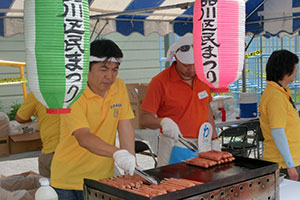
<point x="264" y="17"/>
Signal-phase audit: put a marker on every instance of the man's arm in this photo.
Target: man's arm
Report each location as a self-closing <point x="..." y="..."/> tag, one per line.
<point x="149" y="120"/>
<point x="27" y="109"/>
<point x="282" y="145"/>
<point x="169" y="127"/>
<point x="212" y="122"/>
<point x="93" y="143"/>
<point x="126" y="136"/>
<point x="20" y="120"/>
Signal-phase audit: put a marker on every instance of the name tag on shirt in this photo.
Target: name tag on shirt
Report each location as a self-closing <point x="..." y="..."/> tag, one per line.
<point x="202" y="95"/>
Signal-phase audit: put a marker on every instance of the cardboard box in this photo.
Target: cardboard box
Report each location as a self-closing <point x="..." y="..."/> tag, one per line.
<point x="136" y="93"/>
<point x="25" y="174"/>
<point x="4" y="128"/>
<point x="20" y="186"/>
<point x="25" y="142"/>
<point x="4" y="146"/>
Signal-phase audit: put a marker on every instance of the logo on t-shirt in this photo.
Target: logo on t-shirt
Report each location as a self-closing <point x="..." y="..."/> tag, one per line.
<point x="116" y="108"/>
<point x="116" y="112"/>
<point x="116" y="105"/>
<point x="202" y="95"/>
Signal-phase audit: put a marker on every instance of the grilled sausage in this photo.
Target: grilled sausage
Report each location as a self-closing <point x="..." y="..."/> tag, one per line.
<point x="175" y="185"/>
<point x="124" y="181"/>
<point x="164" y="187"/>
<point x="210" y="155"/>
<point x="150" y="191"/>
<point x="133" y="177"/>
<point x="180" y="182"/>
<point x="223" y="153"/>
<point x="198" y="162"/>
<point x="191" y="181"/>
<point x="137" y="177"/>
<point x="202" y="162"/>
<point x="112" y="183"/>
<point x="231" y="159"/>
<point x="158" y="191"/>
<point x="135" y="183"/>
<point x="138" y="192"/>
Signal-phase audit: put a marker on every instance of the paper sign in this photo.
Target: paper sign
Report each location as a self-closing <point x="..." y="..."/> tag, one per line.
<point x="204" y="137"/>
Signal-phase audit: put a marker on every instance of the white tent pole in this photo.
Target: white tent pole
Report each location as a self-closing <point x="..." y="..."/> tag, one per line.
<point x="94" y="28"/>
<point x="101" y="29"/>
<point x="249" y="15"/>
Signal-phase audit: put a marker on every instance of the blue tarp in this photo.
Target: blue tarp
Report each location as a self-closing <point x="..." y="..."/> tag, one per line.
<point x="273" y="17"/>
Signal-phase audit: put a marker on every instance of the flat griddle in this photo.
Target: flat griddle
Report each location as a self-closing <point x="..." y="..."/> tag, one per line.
<point x="240" y="170"/>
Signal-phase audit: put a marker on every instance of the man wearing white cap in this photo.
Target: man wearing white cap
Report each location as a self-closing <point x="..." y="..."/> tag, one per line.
<point x="177" y="101"/>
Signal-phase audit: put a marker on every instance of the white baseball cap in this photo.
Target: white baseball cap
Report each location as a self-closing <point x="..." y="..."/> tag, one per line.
<point x="183" y="49"/>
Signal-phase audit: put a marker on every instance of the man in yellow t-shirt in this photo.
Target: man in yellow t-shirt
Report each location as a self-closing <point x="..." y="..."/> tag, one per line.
<point x="49" y="130"/>
<point x="88" y="133"/>
<point x="279" y="120"/>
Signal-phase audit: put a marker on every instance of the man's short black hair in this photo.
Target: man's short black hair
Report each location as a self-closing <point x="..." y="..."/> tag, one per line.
<point x="105" y="48"/>
<point x="280" y="63"/>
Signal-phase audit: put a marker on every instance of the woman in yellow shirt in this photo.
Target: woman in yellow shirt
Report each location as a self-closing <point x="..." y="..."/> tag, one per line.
<point x="279" y="119"/>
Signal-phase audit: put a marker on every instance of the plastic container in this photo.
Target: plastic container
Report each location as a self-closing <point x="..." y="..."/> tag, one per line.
<point x="248" y="105"/>
<point x="45" y="192"/>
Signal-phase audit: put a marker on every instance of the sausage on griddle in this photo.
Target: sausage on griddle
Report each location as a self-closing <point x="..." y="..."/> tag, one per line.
<point x="202" y="162"/>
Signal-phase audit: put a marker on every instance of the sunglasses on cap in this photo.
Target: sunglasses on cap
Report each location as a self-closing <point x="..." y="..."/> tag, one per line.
<point x="184" y="48"/>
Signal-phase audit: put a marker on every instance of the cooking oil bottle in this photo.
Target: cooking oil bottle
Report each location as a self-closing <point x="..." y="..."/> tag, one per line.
<point x="45" y="192"/>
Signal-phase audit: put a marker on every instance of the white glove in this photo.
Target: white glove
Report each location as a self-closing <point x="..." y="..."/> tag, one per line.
<point x="125" y="160"/>
<point x="170" y="128"/>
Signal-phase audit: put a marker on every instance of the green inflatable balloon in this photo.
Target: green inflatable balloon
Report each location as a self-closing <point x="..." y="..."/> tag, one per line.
<point x="57" y="51"/>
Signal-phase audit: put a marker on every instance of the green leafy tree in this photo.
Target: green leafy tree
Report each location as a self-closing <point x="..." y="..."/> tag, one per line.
<point x="13" y="111"/>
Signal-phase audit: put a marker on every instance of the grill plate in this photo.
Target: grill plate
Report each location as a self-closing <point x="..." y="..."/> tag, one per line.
<point x="241" y="171"/>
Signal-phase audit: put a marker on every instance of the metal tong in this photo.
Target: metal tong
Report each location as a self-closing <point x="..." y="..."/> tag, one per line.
<point x="147" y="177"/>
<point x="191" y="146"/>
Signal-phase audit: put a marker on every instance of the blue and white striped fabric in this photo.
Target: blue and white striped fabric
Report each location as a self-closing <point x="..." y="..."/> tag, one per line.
<point x="278" y="17"/>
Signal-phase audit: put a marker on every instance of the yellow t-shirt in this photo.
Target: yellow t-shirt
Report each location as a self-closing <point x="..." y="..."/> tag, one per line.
<point x="49" y="123"/>
<point x="276" y="111"/>
<point x="72" y="163"/>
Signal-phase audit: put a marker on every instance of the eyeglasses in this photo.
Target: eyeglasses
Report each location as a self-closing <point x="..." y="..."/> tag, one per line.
<point x="184" y="48"/>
